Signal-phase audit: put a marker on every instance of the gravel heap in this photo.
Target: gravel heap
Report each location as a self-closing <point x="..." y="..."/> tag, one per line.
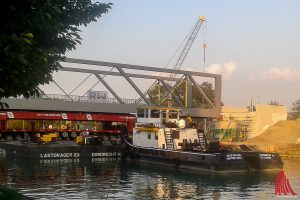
<point x="281" y="133"/>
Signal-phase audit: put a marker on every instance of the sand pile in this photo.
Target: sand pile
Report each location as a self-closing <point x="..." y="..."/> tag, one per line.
<point x="281" y="133"/>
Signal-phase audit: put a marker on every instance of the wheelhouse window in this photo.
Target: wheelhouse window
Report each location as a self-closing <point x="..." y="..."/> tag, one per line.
<point x="149" y="135"/>
<point x="164" y="114"/>
<point x="141" y="113"/>
<point x="173" y="114"/>
<point x="154" y="113"/>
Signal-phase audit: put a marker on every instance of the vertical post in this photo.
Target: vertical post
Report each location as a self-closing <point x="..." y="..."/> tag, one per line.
<point x="186" y="92"/>
<point x="190" y="93"/>
<point x="218" y="85"/>
<point x="158" y="92"/>
<point x="204" y="127"/>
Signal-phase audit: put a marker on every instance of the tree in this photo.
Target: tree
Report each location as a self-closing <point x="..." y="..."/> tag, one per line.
<point x="274" y="103"/>
<point x="34" y="36"/>
<point x="295" y="114"/>
<point x="197" y="98"/>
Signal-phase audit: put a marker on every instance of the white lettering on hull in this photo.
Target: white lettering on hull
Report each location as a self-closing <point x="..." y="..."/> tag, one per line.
<point x="77" y="155"/>
<point x="266" y="156"/>
<point x="235" y="156"/>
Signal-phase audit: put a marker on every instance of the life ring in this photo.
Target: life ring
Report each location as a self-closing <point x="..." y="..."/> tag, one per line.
<point x="73" y="135"/>
<point x="64" y="134"/>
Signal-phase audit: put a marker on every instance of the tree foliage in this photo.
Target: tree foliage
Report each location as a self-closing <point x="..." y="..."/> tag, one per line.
<point x="34" y="36"/>
<point x="198" y="99"/>
<point x="295" y="110"/>
<point x="274" y="103"/>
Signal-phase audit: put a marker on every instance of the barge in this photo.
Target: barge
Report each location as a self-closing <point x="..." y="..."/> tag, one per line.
<point x="59" y="150"/>
<point x="160" y="137"/>
<point x="53" y="134"/>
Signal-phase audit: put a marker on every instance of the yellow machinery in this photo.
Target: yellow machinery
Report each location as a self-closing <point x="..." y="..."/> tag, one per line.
<point x="80" y="139"/>
<point x="46" y="137"/>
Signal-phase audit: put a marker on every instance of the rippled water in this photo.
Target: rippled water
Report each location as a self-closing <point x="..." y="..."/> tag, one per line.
<point x="108" y="179"/>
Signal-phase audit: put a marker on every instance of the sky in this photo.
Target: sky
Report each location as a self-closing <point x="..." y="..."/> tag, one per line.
<point x="254" y="45"/>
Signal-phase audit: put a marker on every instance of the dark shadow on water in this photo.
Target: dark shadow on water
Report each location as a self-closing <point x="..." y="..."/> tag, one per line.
<point x="11" y="194"/>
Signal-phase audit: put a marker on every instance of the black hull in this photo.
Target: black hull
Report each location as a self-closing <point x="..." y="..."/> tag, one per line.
<point x="209" y="162"/>
<point x="59" y="150"/>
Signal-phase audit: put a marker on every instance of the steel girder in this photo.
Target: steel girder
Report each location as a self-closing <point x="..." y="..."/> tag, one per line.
<point x="214" y="104"/>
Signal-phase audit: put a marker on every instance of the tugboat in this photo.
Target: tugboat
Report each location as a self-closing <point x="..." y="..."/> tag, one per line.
<point x="161" y="137"/>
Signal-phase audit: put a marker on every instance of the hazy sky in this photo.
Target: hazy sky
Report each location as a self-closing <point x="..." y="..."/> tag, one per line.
<point x="254" y="44"/>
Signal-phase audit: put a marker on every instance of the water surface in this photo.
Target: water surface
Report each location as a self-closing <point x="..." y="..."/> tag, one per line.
<point x="113" y="179"/>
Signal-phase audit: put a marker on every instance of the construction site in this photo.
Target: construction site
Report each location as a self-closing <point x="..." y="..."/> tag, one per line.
<point x="263" y="127"/>
<point x="147" y="100"/>
<point x="103" y="115"/>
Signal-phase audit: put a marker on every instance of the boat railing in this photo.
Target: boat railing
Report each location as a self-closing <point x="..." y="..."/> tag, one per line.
<point x="83" y="99"/>
<point x="148" y="125"/>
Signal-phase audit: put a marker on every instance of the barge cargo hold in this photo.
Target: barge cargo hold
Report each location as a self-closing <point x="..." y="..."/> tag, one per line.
<point x="59" y="150"/>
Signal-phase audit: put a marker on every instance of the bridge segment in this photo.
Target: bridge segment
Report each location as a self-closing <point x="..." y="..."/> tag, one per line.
<point x="184" y="80"/>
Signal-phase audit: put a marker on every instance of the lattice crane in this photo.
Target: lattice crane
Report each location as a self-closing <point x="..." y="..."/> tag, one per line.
<point x="200" y="21"/>
<point x="191" y="37"/>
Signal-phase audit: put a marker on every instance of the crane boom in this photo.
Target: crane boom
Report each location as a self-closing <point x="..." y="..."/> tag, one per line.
<point x="191" y="37"/>
<point x="189" y="42"/>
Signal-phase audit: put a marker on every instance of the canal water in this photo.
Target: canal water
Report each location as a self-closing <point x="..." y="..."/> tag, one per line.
<point x="111" y="179"/>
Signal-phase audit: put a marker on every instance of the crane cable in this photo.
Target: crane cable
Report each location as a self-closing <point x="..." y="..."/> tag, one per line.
<point x="169" y="61"/>
<point x="181" y="44"/>
<point x="191" y="37"/>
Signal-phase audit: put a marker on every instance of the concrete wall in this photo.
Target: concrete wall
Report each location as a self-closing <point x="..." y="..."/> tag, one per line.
<point x="266" y="116"/>
<point x="255" y="122"/>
